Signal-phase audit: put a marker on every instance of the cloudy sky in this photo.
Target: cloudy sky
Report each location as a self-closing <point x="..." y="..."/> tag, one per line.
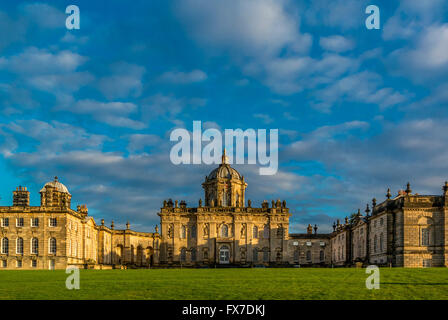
<point x="357" y="110"/>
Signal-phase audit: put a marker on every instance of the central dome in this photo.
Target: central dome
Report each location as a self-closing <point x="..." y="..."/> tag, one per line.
<point x="57" y="185"/>
<point x="224" y="170"/>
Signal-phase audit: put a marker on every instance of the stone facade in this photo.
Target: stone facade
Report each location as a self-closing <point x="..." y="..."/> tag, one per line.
<point x="53" y="236"/>
<point x="227" y="231"/>
<point x="409" y="230"/>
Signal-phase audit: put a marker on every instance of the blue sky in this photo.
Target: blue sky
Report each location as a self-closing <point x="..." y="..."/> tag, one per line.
<point x="358" y="110"/>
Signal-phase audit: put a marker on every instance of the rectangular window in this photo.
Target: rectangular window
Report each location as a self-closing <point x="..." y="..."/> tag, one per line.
<point x="53" y="222"/>
<point x="34" y="263"/>
<point x="381" y="221"/>
<point x="5" y="222"/>
<point x="19" y="246"/>
<point x="4" y="264"/>
<point x="5" y="246"/>
<point x="34" y="222"/>
<point x="34" y="246"/>
<point x="425" y="237"/>
<point x="20" y="222"/>
<point x="19" y="263"/>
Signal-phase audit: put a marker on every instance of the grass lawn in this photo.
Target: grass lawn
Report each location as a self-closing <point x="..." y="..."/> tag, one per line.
<point x="252" y="284"/>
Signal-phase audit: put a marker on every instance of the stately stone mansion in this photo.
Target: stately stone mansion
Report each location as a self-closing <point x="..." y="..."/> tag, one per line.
<point x="408" y="230"/>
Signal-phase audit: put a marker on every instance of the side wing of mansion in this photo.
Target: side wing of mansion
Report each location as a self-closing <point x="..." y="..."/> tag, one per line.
<point x="409" y="230"/>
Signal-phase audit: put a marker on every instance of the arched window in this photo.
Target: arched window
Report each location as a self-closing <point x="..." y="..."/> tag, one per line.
<point x="34" y="246"/>
<point x="322" y="255"/>
<point x="52" y="246"/>
<point x="193" y="254"/>
<point x="278" y="254"/>
<point x="381" y="242"/>
<point x="183" y="232"/>
<point x="224" y="231"/>
<point x="308" y="255"/>
<point x="170" y="231"/>
<point x="193" y="232"/>
<point x="266" y="255"/>
<point x="426" y="231"/>
<point x="375" y="244"/>
<point x="266" y="232"/>
<point x="296" y="255"/>
<point x="5" y="245"/>
<point x="170" y="254"/>
<point x="19" y="246"/>
<point x="279" y="231"/>
<point x="255" y="232"/>
<point x="224" y="198"/>
<point x="183" y="254"/>
<point x="255" y="255"/>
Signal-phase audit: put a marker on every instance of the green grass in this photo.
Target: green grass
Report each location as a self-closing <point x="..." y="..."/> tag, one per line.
<point x="253" y="284"/>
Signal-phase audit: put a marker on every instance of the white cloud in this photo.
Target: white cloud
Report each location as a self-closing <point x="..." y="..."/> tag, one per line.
<point x="336" y="43"/>
<point x="260" y="27"/>
<point x="427" y="59"/>
<point x="265" y="118"/>
<point x="343" y="14"/>
<point x="115" y="114"/>
<point x="412" y="17"/>
<point x="44" y="15"/>
<point x="259" y="32"/>
<point x="167" y="106"/>
<point x="364" y="87"/>
<point x="41" y="61"/>
<point x="125" y="81"/>
<point x="56" y="136"/>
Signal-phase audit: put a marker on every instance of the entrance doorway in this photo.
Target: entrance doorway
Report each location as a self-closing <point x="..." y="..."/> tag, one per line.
<point x="224" y="255"/>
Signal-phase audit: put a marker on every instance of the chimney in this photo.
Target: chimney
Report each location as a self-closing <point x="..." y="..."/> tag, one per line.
<point x="21" y="197"/>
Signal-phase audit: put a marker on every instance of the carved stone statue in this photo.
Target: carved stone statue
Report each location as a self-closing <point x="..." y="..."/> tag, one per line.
<point x="243" y="231"/>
